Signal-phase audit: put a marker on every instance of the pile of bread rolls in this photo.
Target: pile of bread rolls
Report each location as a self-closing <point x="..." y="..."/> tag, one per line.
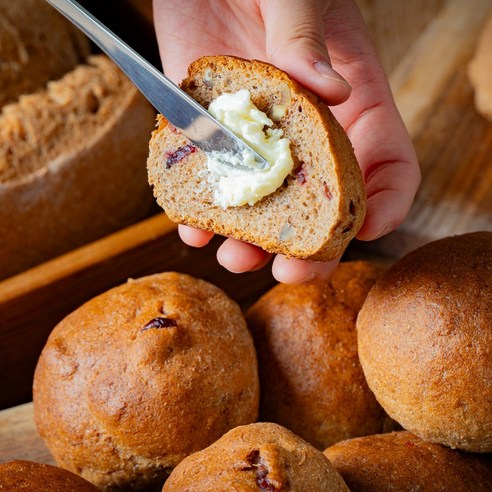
<point x="377" y="379"/>
<point x="164" y="382"/>
<point x="73" y="139"/>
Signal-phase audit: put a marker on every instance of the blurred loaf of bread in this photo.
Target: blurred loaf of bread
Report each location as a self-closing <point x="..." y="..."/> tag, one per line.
<point x="72" y="152"/>
<point x="36" y="45"/>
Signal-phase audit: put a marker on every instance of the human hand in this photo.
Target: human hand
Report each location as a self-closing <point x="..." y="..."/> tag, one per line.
<point x="305" y="39"/>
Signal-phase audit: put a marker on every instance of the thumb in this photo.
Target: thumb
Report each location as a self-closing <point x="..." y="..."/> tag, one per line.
<point x="295" y="42"/>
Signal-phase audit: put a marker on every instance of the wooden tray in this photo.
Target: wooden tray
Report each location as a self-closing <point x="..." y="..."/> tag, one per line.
<point x="454" y="145"/>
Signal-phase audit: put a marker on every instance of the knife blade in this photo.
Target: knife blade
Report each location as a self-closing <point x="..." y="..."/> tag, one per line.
<point x="192" y="119"/>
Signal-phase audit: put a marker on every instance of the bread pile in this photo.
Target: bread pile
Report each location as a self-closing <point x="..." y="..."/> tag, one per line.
<point x="159" y="377"/>
<point x="73" y="139"/>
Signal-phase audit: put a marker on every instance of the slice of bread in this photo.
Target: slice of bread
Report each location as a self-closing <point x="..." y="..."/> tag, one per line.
<point x="321" y="204"/>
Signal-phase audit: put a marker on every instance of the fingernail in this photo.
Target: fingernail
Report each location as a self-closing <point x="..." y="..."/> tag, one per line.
<point x="326" y="71"/>
<point x="311" y="278"/>
<point x="387" y="228"/>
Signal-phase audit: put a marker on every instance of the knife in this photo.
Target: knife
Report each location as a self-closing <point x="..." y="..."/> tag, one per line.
<point x="192" y="119"/>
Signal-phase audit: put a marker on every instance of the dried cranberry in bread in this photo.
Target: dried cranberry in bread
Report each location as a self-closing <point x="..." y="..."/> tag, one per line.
<point x="321" y="204"/>
<point x="400" y="461"/>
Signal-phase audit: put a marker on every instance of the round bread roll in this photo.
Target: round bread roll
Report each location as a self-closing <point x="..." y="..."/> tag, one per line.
<point x="142" y="376"/>
<point x="311" y="379"/>
<point x="400" y="461"/>
<point x="256" y="457"/>
<point x="425" y="341"/>
<point x="33" y="477"/>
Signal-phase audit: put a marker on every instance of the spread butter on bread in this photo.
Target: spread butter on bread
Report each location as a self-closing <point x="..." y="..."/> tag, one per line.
<point x="317" y="209"/>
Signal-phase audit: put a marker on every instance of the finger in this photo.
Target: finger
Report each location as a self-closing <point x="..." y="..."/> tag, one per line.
<point x="194" y="237"/>
<point x="381" y="143"/>
<point x="295" y="42"/>
<point x="391" y="187"/>
<point x="295" y="271"/>
<point x="239" y="257"/>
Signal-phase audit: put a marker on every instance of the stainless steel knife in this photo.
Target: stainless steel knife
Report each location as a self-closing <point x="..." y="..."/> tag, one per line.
<point x="179" y="108"/>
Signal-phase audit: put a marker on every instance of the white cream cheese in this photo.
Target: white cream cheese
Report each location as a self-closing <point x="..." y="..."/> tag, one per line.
<point x="238" y="179"/>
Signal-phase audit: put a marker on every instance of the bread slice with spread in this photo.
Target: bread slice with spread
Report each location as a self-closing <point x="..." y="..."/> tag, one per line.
<point x="320" y="204"/>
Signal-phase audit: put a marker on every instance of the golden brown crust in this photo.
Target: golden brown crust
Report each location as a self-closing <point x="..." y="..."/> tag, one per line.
<point x="306" y="342"/>
<point x="321" y="205"/>
<point x="425" y="341"/>
<point x="401" y="462"/>
<point x="143" y="375"/>
<point x="256" y="457"/>
<point x="31" y="476"/>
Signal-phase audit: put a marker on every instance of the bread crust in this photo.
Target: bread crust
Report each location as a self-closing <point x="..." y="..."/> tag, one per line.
<point x="143" y="375"/>
<point x="425" y="341"/>
<point x="306" y="343"/>
<point x="29" y="476"/>
<point x="93" y="185"/>
<point x="321" y="205"/>
<point x="256" y="457"/>
<point x="400" y="461"/>
<point x="37" y="44"/>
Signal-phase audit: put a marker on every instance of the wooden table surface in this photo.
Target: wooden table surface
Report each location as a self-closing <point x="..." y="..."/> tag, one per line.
<point x="425" y="47"/>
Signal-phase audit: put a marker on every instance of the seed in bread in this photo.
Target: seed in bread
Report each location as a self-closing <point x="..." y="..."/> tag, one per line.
<point x="29" y="476"/>
<point x="256" y="457"/>
<point x="425" y="341"/>
<point x="321" y="204"/>
<point x="143" y="375"/>
<point x="310" y="375"/>
<point x="400" y="461"/>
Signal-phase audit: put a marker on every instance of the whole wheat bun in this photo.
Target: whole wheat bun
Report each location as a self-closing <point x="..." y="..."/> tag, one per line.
<point x="143" y="375"/>
<point x="425" y="341"/>
<point x="400" y="461"/>
<point x="29" y="476"/>
<point x="306" y="341"/>
<point x="72" y="164"/>
<point x="256" y="457"/>
<point x="320" y="206"/>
